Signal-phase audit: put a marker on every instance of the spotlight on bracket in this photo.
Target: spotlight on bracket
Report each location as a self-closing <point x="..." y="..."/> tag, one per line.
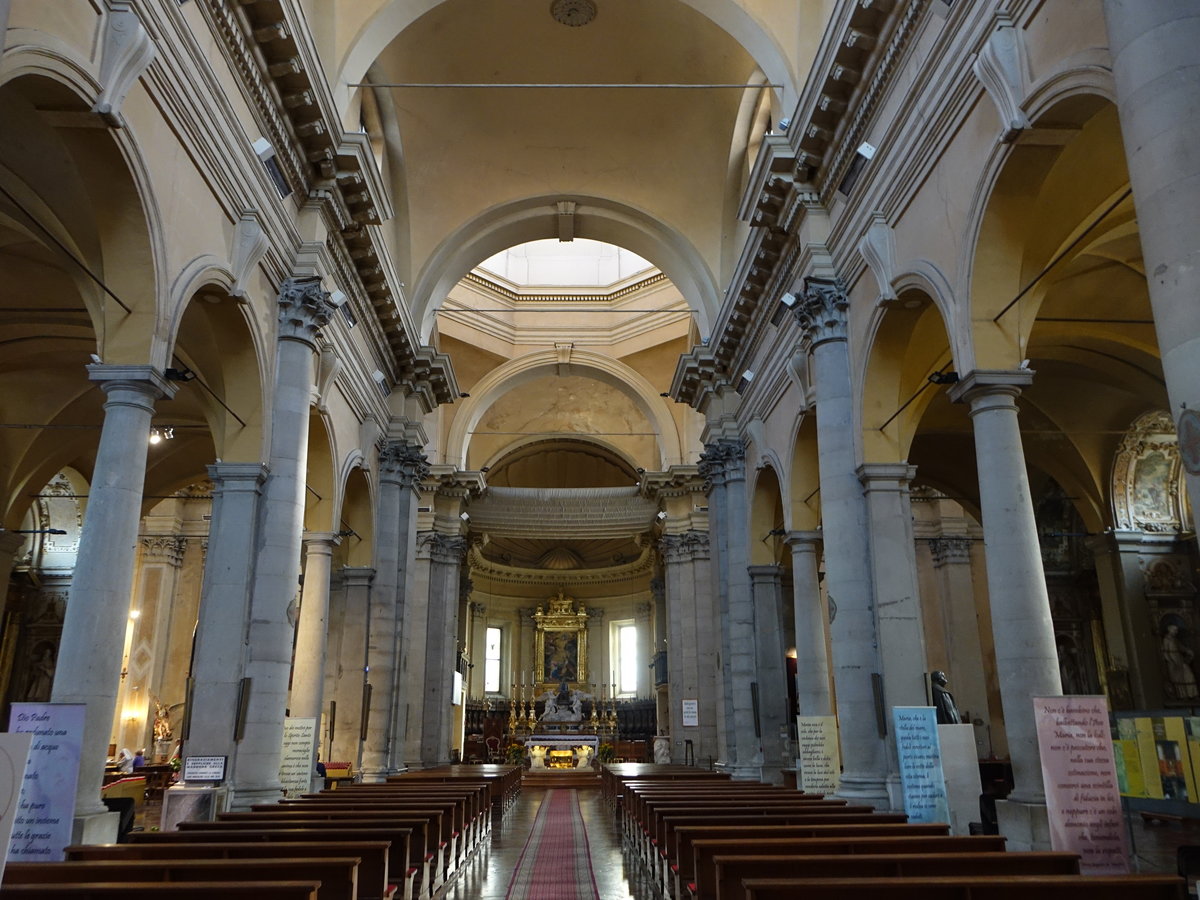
<point x="943" y="378"/>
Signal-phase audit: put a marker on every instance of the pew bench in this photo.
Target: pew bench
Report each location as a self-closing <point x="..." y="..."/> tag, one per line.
<point x="337" y="877"/>
<point x="991" y="887"/>
<point x="195" y="890"/>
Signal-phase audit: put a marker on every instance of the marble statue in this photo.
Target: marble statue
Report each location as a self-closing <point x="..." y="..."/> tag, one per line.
<point x="537" y="757"/>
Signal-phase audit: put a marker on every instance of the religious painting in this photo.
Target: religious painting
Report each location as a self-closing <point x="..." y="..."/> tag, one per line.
<point x="560" y="643"/>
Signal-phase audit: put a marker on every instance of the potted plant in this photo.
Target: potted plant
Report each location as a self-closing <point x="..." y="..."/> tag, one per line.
<point x="606" y="753"/>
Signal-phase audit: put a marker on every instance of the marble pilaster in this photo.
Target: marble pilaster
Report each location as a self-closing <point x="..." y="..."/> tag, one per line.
<point x="93" y="637"/>
<point x="1157" y="75"/>
<point x="813" y="694"/>
<point x="821" y="314"/>
<point x="303" y="308"/>
<point x="401" y="468"/>
<point x="441" y="646"/>
<point x="771" y="676"/>
<point x="642" y="617"/>
<point x="1026" y="656"/>
<point x="723" y="465"/>
<point x="348" y="659"/>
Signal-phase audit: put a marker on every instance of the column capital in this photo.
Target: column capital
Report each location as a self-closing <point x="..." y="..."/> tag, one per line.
<point x="168" y="548"/>
<point x="945" y="550"/>
<point x="886" y="476"/>
<point x="441" y="548"/>
<point x="999" y="386"/>
<point x="402" y="463"/>
<point x="820" y="311"/>
<point x="764" y="573"/>
<point x="237" y="477"/>
<point x="804" y="540"/>
<point x="304" y="308"/>
<point x="477" y="609"/>
<point x="320" y="542"/>
<point x="678" y="548"/>
<point x="723" y="461"/>
<point x="357" y="576"/>
<point x="146" y="380"/>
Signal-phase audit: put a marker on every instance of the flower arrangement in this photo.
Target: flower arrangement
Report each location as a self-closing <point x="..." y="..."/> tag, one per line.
<point x="515" y="753"/>
<point x="606" y="753"/>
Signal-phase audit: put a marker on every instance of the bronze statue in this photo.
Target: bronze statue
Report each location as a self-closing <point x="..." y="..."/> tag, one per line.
<point x="943" y="701"/>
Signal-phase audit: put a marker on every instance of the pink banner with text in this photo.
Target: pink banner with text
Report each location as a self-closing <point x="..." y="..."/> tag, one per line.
<point x="1080" y="773"/>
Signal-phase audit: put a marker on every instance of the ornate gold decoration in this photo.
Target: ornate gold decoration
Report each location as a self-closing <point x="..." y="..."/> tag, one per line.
<point x="560" y="644"/>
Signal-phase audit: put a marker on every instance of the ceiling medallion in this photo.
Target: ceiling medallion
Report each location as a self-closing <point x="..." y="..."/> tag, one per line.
<point x="573" y="12"/>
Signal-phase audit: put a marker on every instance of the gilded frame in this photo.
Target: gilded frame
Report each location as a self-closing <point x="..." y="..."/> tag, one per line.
<point x="563" y="632"/>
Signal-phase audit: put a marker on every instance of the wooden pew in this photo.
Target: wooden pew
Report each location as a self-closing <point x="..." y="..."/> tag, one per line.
<point x="720" y="877"/>
<point x="337" y="877"/>
<point x="470" y="820"/>
<point x="681" y="860"/>
<point x="989" y="887"/>
<point x="196" y="890"/>
<point x="407" y="867"/>
<point x="373" y="881"/>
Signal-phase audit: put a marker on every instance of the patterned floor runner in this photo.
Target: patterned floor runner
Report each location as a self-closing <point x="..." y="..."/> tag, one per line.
<point x="555" y="863"/>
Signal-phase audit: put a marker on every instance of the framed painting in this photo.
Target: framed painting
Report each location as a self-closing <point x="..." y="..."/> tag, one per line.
<point x="560" y="650"/>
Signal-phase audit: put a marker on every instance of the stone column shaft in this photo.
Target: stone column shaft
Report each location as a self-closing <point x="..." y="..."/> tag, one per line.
<point x="1026" y="656"/>
<point x="645" y="633"/>
<point x="93" y="637"/>
<point x="693" y="642"/>
<point x="1157" y="74"/>
<point x="441" y="654"/>
<point x="964" y="652"/>
<point x="308" y="674"/>
<point x="303" y="308"/>
<point x="350" y="670"/>
<point x="770" y="675"/>
<point x="813" y="694"/>
<point x="848" y="582"/>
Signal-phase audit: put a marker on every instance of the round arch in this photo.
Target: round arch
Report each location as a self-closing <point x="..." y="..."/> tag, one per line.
<point x="767" y="518"/>
<point x="534" y="218"/>
<point x="583" y="362"/>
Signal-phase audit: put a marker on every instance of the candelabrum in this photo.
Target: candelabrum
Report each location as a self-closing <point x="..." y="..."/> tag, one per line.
<point x="532" y="716"/>
<point x="612" y="716"/>
<point x="512" y="711"/>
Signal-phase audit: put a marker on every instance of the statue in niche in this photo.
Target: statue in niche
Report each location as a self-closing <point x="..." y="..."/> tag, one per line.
<point x="1181" y="680"/>
<point x="943" y="701"/>
<point x="41" y="673"/>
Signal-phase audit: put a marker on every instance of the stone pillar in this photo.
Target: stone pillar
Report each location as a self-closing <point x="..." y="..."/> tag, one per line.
<point x="662" y="708"/>
<point x="401" y="468"/>
<point x="415" y="641"/>
<point x="723" y="465"/>
<point x="771" y="675"/>
<point x="1157" y="75"/>
<point x="813" y="694"/>
<point x="10" y="544"/>
<point x="692" y="640"/>
<point x="348" y="652"/>
<point x="307" y="699"/>
<point x="964" y="653"/>
<point x="441" y="646"/>
<point x="93" y="637"/>
<point x="478" y="644"/>
<point x="303" y="309"/>
<point x="821" y="314"/>
<point x="1026" y="656"/>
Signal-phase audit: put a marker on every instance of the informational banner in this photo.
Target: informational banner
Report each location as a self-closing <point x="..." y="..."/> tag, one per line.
<point x="1080" y="773"/>
<point x="46" y="809"/>
<point x="297" y="767"/>
<point x="14" y="754"/>
<point x="691" y="713"/>
<point x="819" y="761"/>
<point x="920" y="757"/>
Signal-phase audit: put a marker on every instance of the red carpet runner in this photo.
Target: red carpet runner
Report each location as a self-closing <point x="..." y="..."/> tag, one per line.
<point x="555" y="863"/>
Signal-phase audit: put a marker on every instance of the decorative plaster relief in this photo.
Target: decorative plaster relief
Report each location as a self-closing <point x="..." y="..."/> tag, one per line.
<point x="248" y="246"/>
<point x="1147" y="480"/>
<point x="1003" y="68"/>
<point x="878" y="248"/>
<point x="127" y="51"/>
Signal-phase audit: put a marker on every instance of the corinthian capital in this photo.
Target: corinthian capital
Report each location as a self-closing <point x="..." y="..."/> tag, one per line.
<point x="304" y="308"/>
<point x="821" y="311"/>
<point x="722" y="461"/>
<point x="678" y="548"/>
<point x="402" y="463"/>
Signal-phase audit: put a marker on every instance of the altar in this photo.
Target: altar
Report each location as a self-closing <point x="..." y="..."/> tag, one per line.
<point x="561" y="751"/>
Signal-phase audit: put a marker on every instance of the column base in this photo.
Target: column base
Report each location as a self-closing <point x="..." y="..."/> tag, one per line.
<point x="241" y="799"/>
<point x="192" y="803"/>
<point x="95" y="828"/>
<point x="895" y="792"/>
<point x="866" y="790"/>
<point x="1026" y="825"/>
<point x="740" y="771"/>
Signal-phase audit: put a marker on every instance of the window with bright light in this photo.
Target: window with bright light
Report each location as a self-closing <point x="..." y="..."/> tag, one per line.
<point x="491" y="661"/>
<point x="625" y="657"/>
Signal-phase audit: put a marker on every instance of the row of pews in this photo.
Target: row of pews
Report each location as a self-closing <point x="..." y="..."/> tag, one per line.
<point x="400" y="840"/>
<point x="701" y="836"/>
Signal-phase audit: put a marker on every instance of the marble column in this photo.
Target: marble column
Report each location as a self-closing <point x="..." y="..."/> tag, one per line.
<point x="723" y="466"/>
<point x="304" y="308"/>
<point x="813" y="694"/>
<point x="93" y="637"/>
<point x="821" y="314"/>
<point x="441" y="647"/>
<point x="348" y="652"/>
<point x="401" y="468"/>
<point x="307" y="700"/>
<point x="1157" y="74"/>
<point x="771" y="675"/>
<point x="693" y="642"/>
<point x="1026" y="656"/>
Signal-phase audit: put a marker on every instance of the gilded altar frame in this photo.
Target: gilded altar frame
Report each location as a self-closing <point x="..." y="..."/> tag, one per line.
<point x="560" y="639"/>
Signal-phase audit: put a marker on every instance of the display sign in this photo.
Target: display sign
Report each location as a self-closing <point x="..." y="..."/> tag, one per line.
<point x="204" y="768"/>
<point x="297" y="764"/>
<point x="691" y="713"/>
<point x="46" y="809"/>
<point x="1079" y="770"/>
<point x="920" y="757"/>
<point x="14" y="754"/>
<point x="819" y="761"/>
